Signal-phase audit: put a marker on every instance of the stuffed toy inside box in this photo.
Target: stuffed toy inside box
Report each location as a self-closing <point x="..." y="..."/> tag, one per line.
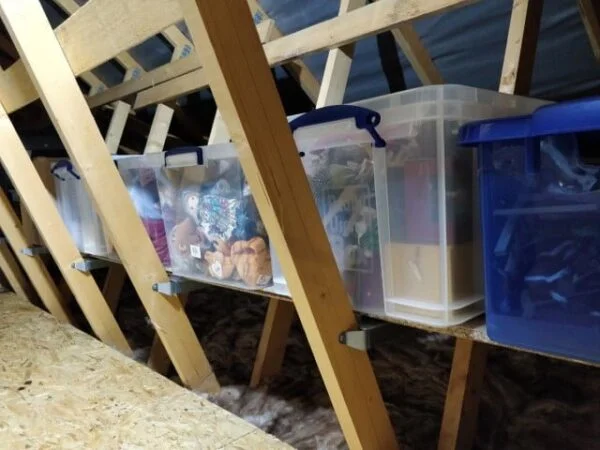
<point x="213" y="227"/>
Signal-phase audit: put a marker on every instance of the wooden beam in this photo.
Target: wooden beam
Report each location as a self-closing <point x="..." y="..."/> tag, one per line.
<point x="54" y="232"/>
<point x="590" y="16"/>
<point x="49" y="70"/>
<point x="519" y="56"/>
<point x="273" y="340"/>
<point x="462" y="399"/>
<point x="159" y="129"/>
<point x="113" y="286"/>
<point x="157" y="76"/>
<point x="98" y="31"/>
<point x="246" y="95"/>
<point x="337" y="67"/>
<point x="116" y="274"/>
<point x="17" y="280"/>
<point x="330" y="34"/>
<point x="459" y="421"/>
<point x="151" y="78"/>
<point x="297" y="68"/>
<point x="124" y="59"/>
<point x="116" y="126"/>
<point x="33" y="266"/>
<point x="411" y="45"/>
<point x="271" y="349"/>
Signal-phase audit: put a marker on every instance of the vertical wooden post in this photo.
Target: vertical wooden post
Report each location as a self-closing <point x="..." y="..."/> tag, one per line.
<point x="521" y="44"/>
<point x="459" y="421"/>
<point x="53" y="78"/>
<point x="159" y="129"/>
<point x="245" y="92"/>
<point x="273" y="340"/>
<point x="13" y="273"/>
<point x="116" y="275"/>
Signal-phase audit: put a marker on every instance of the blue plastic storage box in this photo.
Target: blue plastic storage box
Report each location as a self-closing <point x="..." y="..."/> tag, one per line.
<point x="540" y="206"/>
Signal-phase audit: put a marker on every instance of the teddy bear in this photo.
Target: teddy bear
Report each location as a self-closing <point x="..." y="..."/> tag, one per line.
<point x="252" y="261"/>
<point x="184" y="237"/>
<point x="220" y="265"/>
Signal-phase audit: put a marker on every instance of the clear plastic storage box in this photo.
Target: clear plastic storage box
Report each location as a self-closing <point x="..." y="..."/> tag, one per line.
<point x="336" y="146"/>
<point x="540" y="197"/>
<point x="212" y="227"/>
<point x="76" y="209"/>
<point x="426" y="196"/>
<point x="140" y="178"/>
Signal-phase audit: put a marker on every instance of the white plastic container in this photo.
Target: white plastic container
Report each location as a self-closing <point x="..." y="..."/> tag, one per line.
<point x="338" y="159"/>
<point x="427" y="205"/>
<point x="76" y="209"/>
<point x="213" y="230"/>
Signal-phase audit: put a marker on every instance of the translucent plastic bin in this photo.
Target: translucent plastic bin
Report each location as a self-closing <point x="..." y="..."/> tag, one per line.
<point x="76" y="209"/>
<point x="338" y="159"/>
<point x="540" y="197"/>
<point x="140" y="177"/>
<point x="213" y="228"/>
<point x="427" y="200"/>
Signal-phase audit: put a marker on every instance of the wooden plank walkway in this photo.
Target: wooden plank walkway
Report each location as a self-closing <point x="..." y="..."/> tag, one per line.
<point x="60" y="388"/>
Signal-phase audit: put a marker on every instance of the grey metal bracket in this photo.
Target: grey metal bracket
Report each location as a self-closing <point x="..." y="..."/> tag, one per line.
<point x="89" y="264"/>
<point x="35" y="250"/>
<point x="371" y="331"/>
<point x="175" y="286"/>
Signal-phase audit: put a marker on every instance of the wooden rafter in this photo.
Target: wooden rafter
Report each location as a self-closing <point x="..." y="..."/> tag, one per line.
<point x="298" y="68"/>
<point x="49" y="69"/>
<point x="411" y="45"/>
<point x="521" y="44"/>
<point x="248" y="100"/>
<point x="333" y="33"/>
<point x="278" y="321"/>
<point x="9" y="266"/>
<point x="50" y="225"/>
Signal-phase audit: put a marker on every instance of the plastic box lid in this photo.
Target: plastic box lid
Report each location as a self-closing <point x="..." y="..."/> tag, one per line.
<point x="577" y="116"/>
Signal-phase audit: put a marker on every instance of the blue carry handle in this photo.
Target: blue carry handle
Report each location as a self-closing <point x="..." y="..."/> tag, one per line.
<point x="64" y="164"/>
<point x="365" y="119"/>
<point x="185" y="151"/>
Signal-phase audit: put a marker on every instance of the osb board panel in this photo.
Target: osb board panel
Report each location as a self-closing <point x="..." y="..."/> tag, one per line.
<point x="60" y="388"/>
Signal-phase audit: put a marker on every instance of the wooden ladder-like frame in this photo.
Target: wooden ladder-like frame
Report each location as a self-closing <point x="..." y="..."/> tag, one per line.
<point x="231" y="59"/>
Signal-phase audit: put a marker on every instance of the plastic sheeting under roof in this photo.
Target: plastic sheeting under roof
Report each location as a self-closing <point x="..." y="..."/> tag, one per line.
<point x="466" y="44"/>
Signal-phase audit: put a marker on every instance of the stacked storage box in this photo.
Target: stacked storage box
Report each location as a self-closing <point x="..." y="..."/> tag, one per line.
<point x="540" y="198"/>
<point x="77" y="211"/>
<point x="212" y="228"/>
<point x="425" y="193"/>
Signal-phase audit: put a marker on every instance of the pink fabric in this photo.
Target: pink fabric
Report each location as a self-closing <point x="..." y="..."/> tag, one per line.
<point x="156" y="230"/>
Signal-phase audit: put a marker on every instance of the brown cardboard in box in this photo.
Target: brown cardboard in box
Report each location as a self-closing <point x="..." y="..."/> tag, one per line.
<point x="418" y="273"/>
